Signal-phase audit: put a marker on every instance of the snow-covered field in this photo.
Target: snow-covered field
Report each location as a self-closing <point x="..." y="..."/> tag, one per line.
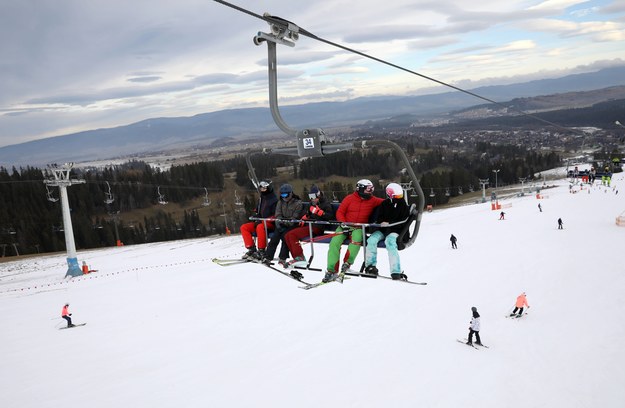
<point x="169" y="328"/>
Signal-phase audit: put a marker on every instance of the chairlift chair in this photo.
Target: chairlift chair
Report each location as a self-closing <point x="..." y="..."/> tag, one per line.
<point x="50" y="197"/>
<point x="207" y="201"/>
<point x="237" y="200"/>
<point x="109" y="196"/>
<point x="313" y="142"/>
<point x="161" y="198"/>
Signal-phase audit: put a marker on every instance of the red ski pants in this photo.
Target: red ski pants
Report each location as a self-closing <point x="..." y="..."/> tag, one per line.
<point x="249" y="228"/>
<point x="293" y="237"/>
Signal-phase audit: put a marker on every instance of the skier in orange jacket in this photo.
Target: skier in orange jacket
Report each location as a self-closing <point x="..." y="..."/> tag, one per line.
<point x="65" y="314"/>
<point x="521" y="301"/>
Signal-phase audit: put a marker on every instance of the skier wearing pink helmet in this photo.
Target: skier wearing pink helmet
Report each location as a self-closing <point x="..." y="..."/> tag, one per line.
<point x="392" y="211"/>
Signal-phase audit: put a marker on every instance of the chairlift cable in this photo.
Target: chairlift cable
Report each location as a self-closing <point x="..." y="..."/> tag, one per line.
<point x="308" y="34"/>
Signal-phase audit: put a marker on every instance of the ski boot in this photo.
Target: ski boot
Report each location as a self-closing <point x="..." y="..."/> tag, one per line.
<point x="371" y="270"/>
<point x="399" y="276"/>
<point x="261" y="256"/>
<point x="283" y="263"/>
<point x="250" y="254"/>
<point x="298" y="262"/>
<point x="345" y="267"/>
<point x="329" y="276"/>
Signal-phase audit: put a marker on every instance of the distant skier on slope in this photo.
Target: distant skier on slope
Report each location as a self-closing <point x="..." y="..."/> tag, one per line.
<point x="474" y="328"/>
<point x="521" y="301"/>
<point x="560" y="224"/>
<point x="65" y="314"/>
<point x="502" y="215"/>
<point x="540" y="207"/>
<point x="453" y="240"/>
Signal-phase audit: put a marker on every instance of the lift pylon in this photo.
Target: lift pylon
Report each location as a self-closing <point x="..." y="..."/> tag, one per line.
<point x="59" y="177"/>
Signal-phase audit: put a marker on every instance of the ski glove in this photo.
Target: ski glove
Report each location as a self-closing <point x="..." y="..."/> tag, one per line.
<point x="316" y="210"/>
<point x="302" y="223"/>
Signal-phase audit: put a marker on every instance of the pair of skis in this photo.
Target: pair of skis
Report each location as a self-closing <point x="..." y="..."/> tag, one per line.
<point x="352" y="272"/>
<point x="293" y="274"/>
<point x="72" y="326"/>
<point x="515" y="316"/>
<point x="474" y="345"/>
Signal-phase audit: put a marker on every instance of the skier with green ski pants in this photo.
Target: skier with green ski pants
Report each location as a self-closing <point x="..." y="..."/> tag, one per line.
<point x="355" y="208"/>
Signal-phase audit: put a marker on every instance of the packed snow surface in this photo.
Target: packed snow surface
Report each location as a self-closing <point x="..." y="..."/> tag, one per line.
<point x="167" y="327"/>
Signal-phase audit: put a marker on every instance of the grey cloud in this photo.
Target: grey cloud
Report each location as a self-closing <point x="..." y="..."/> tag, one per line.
<point x="218" y="81"/>
<point x="432" y="43"/>
<point x="144" y="79"/>
<point x="614" y="7"/>
<point x="348" y="93"/>
<point x="307" y="57"/>
<point x="389" y="32"/>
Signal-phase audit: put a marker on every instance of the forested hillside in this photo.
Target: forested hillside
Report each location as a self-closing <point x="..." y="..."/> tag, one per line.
<point x="30" y="222"/>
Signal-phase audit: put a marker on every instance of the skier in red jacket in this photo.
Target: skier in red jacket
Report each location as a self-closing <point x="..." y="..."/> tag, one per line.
<point x="357" y="208"/>
<point x="65" y="314"/>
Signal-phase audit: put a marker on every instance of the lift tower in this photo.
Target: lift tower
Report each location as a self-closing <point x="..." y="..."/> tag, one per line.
<point x="58" y="176"/>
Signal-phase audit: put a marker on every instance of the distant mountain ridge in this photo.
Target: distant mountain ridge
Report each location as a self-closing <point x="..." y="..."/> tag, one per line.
<point x="161" y="134"/>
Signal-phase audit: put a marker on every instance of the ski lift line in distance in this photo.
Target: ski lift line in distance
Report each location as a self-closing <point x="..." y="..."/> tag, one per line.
<point x="313" y="142"/>
<point x="287" y="33"/>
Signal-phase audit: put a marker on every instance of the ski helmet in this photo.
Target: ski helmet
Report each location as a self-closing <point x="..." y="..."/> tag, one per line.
<point x="286" y="190"/>
<point x="394" y="190"/>
<point x="314" y="192"/>
<point x="474" y="309"/>
<point x="365" y="188"/>
<point x="265" y="184"/>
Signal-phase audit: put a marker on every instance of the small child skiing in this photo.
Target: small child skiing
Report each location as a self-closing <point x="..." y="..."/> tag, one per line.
<point x="521" y="301"/>
<point x="474" y="328"/>
<point x="502" y="215"/>
<point x="65" y="314"/>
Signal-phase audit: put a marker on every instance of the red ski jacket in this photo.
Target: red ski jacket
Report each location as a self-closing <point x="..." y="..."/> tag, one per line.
<point x="354" y="208"/>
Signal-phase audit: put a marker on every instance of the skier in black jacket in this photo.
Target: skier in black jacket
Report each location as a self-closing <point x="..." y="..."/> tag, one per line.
<point x="392" y="210"/>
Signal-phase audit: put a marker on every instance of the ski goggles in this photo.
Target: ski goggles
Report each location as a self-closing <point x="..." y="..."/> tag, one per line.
<point x="285" y="195"/>
<point x="263" y="185"/>
<point x="391" y="194"/>
<point x="313" y="196"/>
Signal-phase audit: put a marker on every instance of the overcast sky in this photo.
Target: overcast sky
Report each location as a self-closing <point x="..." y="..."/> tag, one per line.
<point x="69" y="65"/>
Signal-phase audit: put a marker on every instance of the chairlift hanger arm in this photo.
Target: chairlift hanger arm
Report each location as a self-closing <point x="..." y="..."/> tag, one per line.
<point x="312" y="142"/>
